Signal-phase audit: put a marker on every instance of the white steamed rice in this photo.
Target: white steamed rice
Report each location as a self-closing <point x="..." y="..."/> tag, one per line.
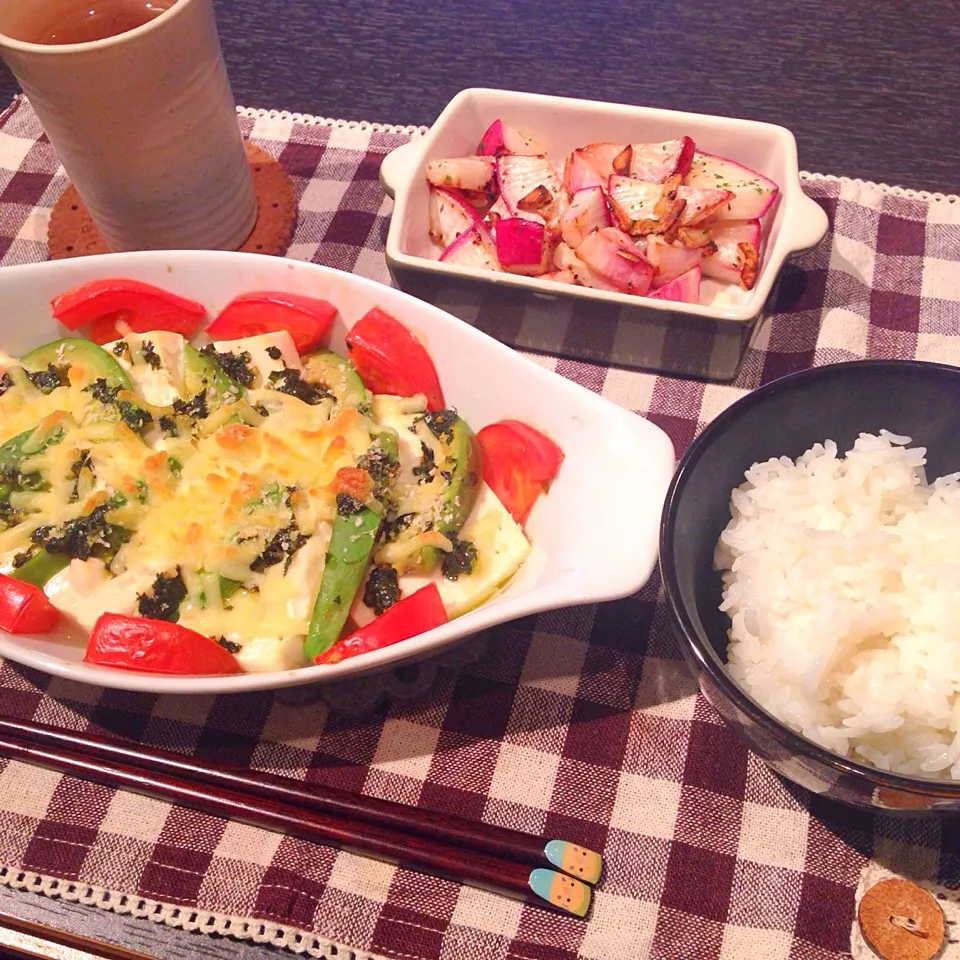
<point x="842" y="582"/>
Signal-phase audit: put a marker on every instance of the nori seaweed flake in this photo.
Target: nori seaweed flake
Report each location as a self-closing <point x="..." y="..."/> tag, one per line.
<point x="347" y="506"/>
<point x="48" y="380"/>
<point x="441" y="423"/>
<point x="195" y="408"/>
<point x="424" y="470"/>
<point x="163" y="600"/>
<point x="382" y="589"/>
<point x="281" y="548"/>
<point x="234" y="365"/>
<point x="150" y="354"/>
<point x="291" y="382"/>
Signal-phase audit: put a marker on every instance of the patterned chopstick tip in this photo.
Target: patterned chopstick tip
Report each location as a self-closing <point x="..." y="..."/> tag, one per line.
<point x="561" y="891"/>
<point x="578" y="861"/>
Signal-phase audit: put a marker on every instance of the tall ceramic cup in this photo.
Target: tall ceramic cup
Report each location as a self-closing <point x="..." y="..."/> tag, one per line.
<point x="145" y="125"/>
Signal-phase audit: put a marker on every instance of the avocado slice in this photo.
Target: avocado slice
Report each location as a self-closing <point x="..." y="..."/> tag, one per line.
<point x="89" y="535"/>
<point x="12" y="455"/>
<point x="101" y="375"/>
<point x="338" y="375"/>
<point x="200" y="373"/>
<point x="436" y="488"/>
<point x="75" y="351"/>
<point x="501" y="549"/>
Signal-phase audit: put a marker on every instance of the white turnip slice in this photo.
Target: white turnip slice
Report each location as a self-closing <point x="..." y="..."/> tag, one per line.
<point x="587" y="212"/>
<point x="601" y="156"/>
<point x="736" y="231"/>
<point x="700" y="203"/>
<point x="522" y="144"/>
<point x="501" y="138"/>
<point x="497" y="212"/>
<point x="640" y="207"/>
<point x="480" y="199"/>
<point x="615" y="257"/>
<point x="462" y="173"/>
<point x="685" y="288"/>
<point x="450" y="215"/>
<point x="671" y="259"/>
<point x="696" y="237"/>
<point x="567" y="261"/>
<point x="631" y="199"/>
<point x="737" y="258"/>
<point x="560" y="276"/>
<point x="657" y="161"/>
<point x="531" y="185"/>
<point x="753" y="192"/>
<point x="475" y="248"/>
<point x="580" y="174"/>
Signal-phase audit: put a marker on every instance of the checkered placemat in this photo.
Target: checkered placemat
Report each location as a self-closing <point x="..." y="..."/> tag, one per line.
<point x="582" y="722"/>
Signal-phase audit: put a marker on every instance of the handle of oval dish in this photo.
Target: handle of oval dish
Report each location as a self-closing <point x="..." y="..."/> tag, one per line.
<point x="397" y="164"/>
<point x="809" y="226"/>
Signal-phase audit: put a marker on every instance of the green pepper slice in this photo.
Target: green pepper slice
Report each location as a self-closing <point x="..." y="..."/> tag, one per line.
<point x="348" y="555"/>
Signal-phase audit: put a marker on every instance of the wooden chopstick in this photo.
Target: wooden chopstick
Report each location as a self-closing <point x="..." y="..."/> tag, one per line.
<point x="541" y="887"/>
<point x="33" y="936"/>
<point x="571" y="858"/>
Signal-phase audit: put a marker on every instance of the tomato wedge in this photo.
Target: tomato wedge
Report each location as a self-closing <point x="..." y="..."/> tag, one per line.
<point x="155" y="646"/>
<point x="24" y="608"/>
<point x="419" y="612"/>
<point x="390" y="359"/>
<point x="519" y="463"/>
<point x="103" y="304"/>
<point x="306" y="319"/>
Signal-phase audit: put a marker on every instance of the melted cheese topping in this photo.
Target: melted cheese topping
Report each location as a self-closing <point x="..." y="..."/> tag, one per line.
<point x="240" y="502"/>
<point x="242" y="505"/>
<point x="119" y="467"/>
<point x="242" y="486"/>
<point x="25" y="406"/>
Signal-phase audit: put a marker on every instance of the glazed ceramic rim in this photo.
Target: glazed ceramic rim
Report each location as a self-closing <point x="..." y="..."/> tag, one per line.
<point x="709" y="659"/>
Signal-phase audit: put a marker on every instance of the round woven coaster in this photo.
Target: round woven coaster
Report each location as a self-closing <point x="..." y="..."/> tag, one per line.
<point x="72" y="232"/>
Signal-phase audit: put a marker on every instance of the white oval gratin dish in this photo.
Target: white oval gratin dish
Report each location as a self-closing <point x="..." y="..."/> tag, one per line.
<point x="582" y="552"/>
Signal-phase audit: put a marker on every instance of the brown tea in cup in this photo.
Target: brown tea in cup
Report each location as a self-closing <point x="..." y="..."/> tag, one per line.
<point x="82" y="21"/>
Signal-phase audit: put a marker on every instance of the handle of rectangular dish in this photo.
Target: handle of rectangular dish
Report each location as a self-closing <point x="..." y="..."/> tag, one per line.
<point x="397" y="164"/>
<point x="809" y="225"/>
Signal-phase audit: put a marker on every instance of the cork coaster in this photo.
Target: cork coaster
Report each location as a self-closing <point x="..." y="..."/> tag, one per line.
<point x="72" y="232"/>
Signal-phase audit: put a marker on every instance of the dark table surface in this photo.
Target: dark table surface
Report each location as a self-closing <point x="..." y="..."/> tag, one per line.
<point x="870" y="90"/>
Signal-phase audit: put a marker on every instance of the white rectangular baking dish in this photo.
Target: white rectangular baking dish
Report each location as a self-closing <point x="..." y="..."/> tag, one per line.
<point x="706" y="340"/>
